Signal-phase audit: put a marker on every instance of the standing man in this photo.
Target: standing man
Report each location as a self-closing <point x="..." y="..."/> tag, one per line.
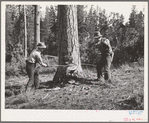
<point x="32" y="69"/>
<point x="103" y="65"/>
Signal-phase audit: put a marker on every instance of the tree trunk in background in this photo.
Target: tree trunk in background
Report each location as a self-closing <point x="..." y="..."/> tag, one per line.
<point x="69" y="54"/>
<point x="19" y="25"/>
<point x="37" y="25"/>
<point x="25" y="33"/>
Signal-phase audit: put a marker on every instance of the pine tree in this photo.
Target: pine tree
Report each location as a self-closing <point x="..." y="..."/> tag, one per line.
<point x="25" y="34"/>
<point x="37" y="25"/>
<point x="69" y="54"/>
<point x="132" y="17"/>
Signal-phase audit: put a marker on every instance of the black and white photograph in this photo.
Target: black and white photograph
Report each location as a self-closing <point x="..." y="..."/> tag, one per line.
<point x="74" y="61"/>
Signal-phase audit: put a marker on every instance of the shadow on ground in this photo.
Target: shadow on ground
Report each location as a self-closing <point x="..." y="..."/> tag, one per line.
<point x="78" y="81"/>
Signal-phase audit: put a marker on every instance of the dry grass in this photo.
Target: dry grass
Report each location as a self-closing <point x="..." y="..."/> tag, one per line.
<point x="125" y="93"/>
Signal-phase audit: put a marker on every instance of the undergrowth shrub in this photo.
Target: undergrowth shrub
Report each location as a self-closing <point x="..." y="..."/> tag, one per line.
<point x="16" y="65"/>
<point x="15" y="68"/>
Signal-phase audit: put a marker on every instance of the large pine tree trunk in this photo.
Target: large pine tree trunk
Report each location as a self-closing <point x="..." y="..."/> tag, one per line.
<point x="37" y="25"/>
<point x="69" y="54"/>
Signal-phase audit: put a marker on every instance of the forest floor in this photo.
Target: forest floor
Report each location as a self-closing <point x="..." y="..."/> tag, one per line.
<point x="126" y="92"/>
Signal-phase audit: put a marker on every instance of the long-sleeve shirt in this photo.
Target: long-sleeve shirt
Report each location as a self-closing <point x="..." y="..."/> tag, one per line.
<point x="105" y="47"/>
<point x="35" y="57"/>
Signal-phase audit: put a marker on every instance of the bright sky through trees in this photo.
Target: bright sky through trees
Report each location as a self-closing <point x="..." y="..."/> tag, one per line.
<point x="121" y="8"/>
<point x="118" y="7"/>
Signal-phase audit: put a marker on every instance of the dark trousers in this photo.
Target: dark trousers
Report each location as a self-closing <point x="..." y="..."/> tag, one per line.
<point x="33" y="74"/>
<point x="103" y="67"/>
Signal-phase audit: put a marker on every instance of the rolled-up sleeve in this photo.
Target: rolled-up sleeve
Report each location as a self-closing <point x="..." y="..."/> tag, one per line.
<point x="39" y="59"/>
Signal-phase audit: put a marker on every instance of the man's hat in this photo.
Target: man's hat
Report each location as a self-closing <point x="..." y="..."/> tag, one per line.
<point x="97" y="34"/>
<point x="41" y="45"/>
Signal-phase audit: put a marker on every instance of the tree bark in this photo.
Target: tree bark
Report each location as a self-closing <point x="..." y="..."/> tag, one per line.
<point x="69" y="54"/>
<point x="25" y="33"/>
<point x="19" y="24"/>
<point x="37" y="25"/>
